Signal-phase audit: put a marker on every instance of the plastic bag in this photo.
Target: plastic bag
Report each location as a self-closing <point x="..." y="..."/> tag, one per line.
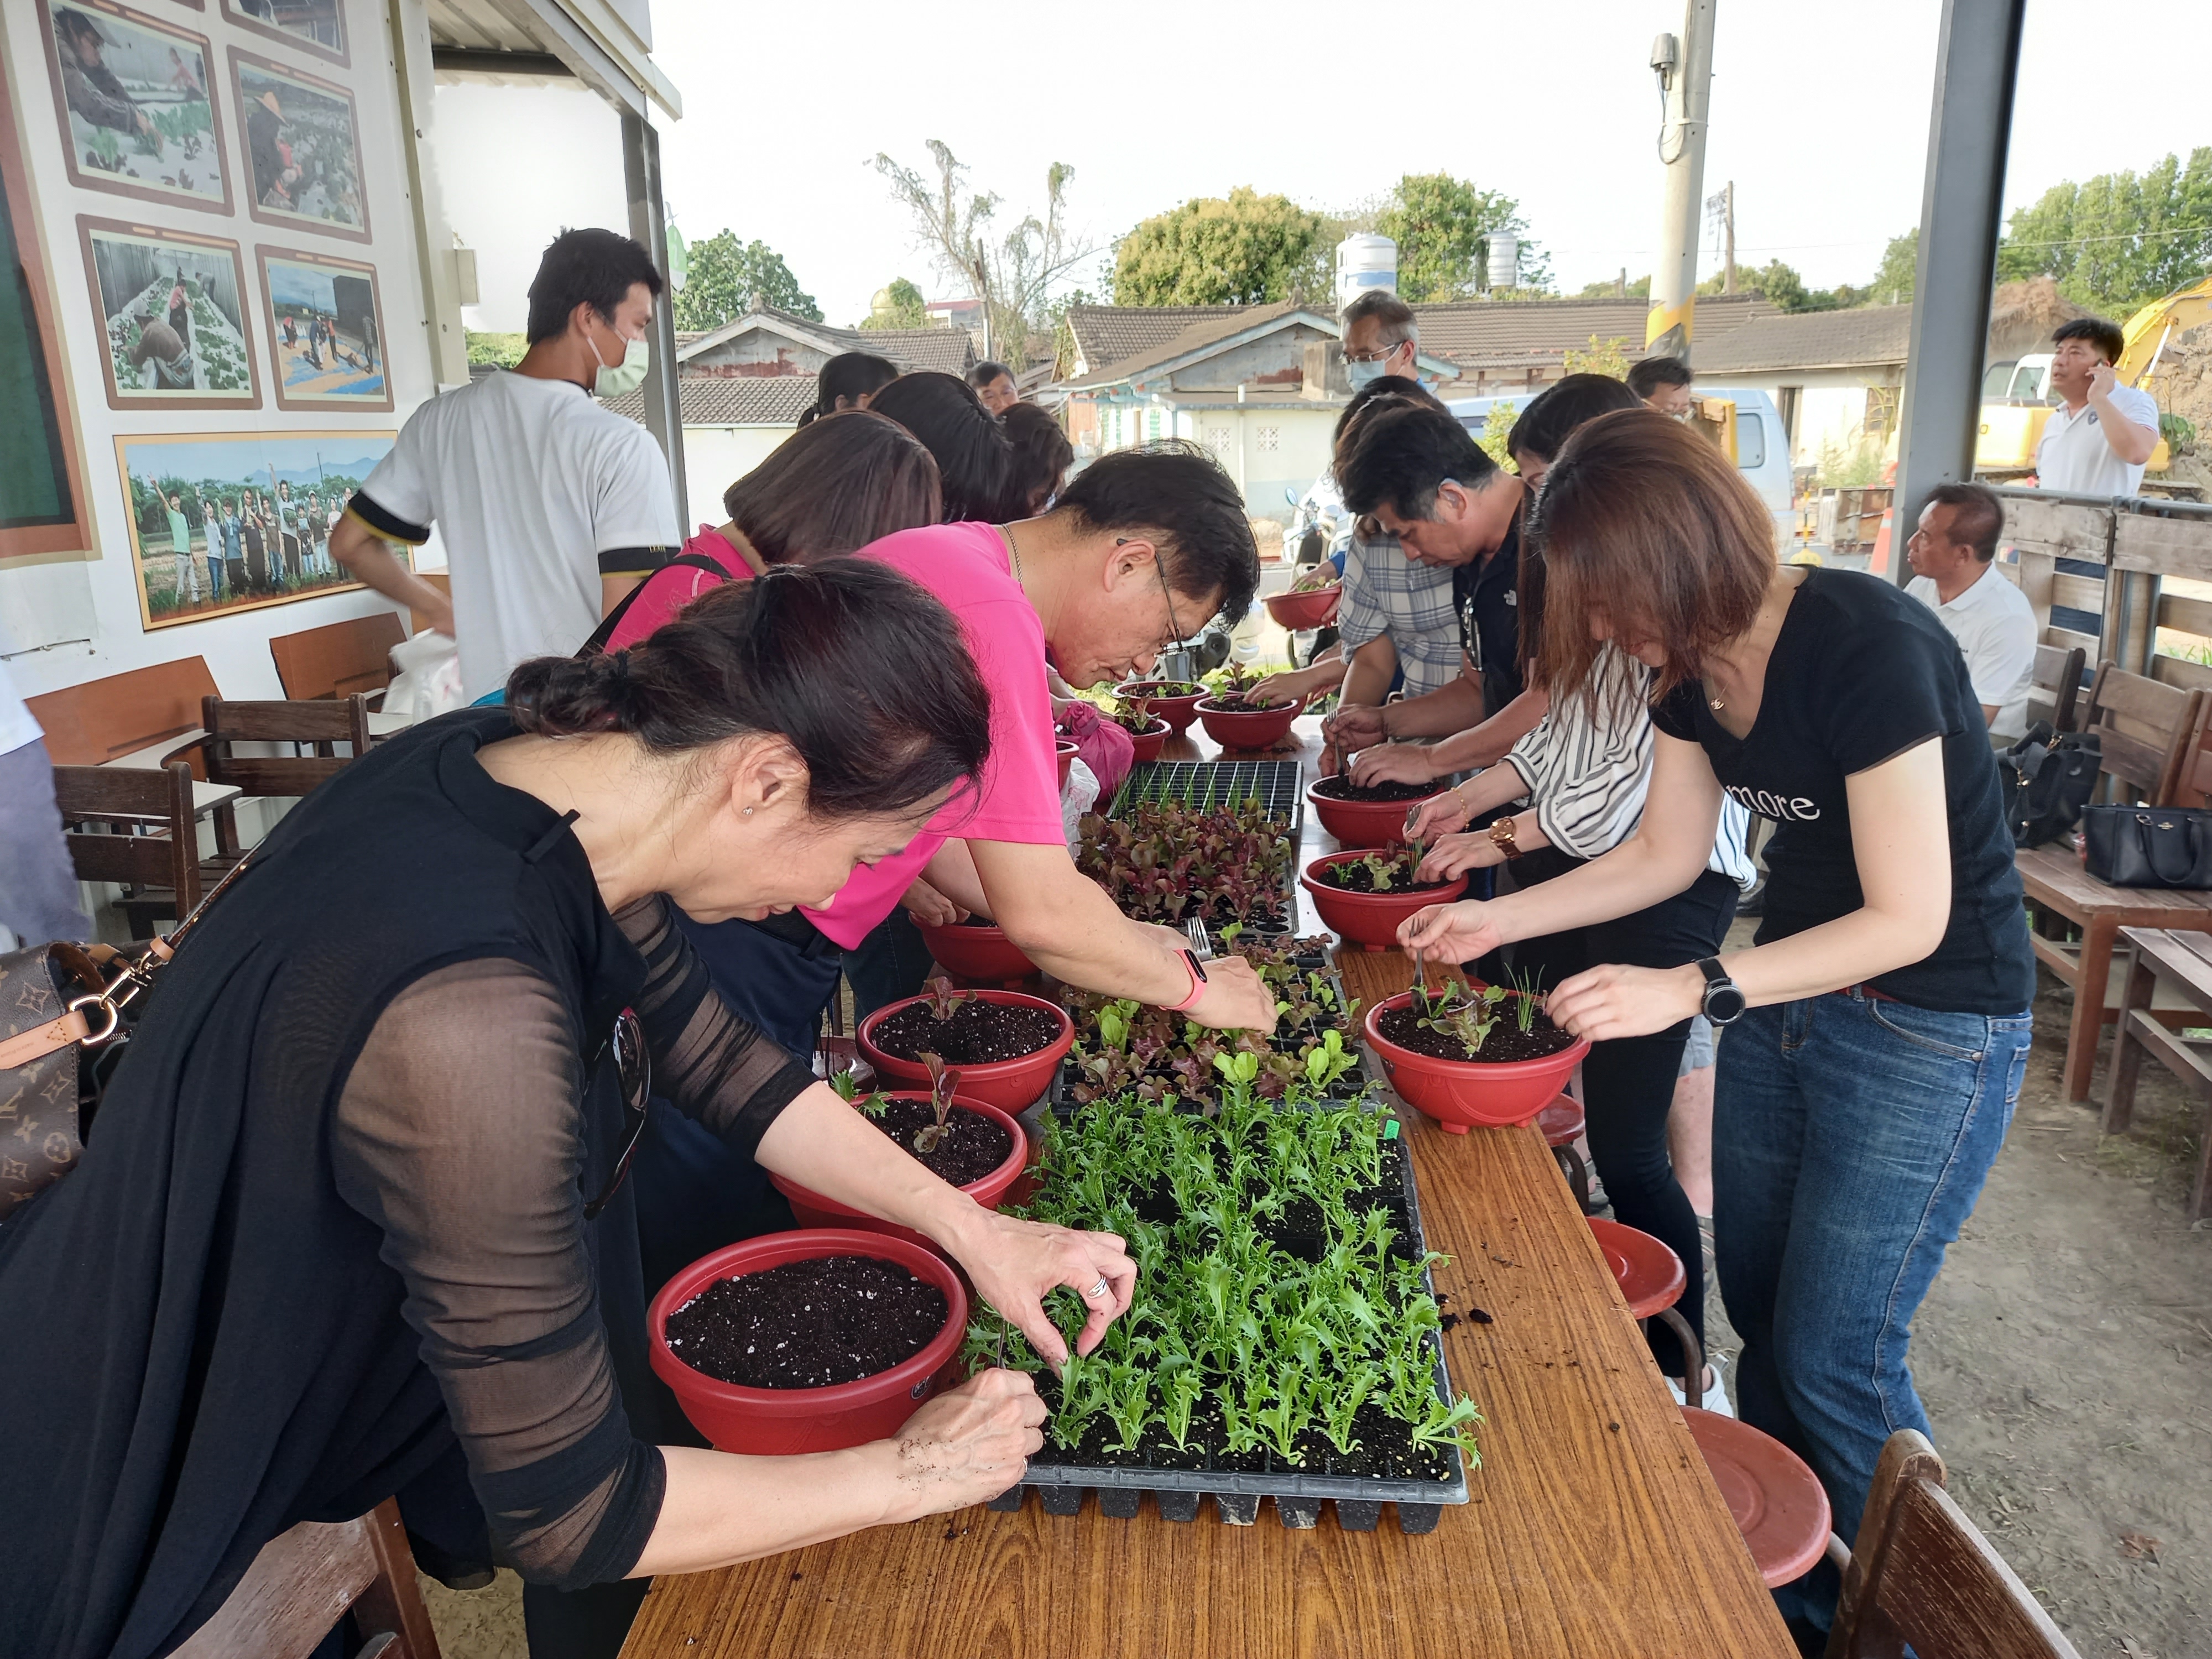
<point x="1079" y="797"/>
<point x="429" y="680"/>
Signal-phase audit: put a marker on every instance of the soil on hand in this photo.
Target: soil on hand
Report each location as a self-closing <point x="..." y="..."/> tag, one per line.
<point x="1357" y="876"/>
<point x="973" y="1146"/>
<point x="978" y="1033"/>
<point x="1506" y="1042"/>
<point x="1243" y="702"/>
<point x="808" y="1324"/>
<point x="1342" y="789"/>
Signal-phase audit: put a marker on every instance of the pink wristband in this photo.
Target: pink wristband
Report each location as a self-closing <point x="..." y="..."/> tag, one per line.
<point x="1197" y="985"/>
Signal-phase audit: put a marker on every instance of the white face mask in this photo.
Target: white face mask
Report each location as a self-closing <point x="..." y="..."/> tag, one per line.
<point x="613" y="379"/>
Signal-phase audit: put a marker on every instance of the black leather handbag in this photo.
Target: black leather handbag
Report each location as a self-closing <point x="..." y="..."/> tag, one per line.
<point x="2148" y="846"/>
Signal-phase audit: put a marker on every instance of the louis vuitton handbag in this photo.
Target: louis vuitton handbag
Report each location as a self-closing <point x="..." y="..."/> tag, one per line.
<point x="66" y="1011"/>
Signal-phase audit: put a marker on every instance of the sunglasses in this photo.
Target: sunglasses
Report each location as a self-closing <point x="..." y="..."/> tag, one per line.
<point x="625" y="1044"/>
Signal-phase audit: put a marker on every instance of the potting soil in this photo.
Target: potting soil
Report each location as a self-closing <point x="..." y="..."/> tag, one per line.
<point x="1339" y="788"/>
<point x="808" y="1324"/>
<point x="1506" y="1042"/>
<point x="1356" y="878"/>
<point x="973" y="1146"/>
<point x="1239" y="702"/>
<point x="978" y="1033"/>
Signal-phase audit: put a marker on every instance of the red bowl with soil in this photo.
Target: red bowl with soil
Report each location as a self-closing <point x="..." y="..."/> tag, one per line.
<point x="1173" y="700"/>
<point x="1370" y="816"/>
<point x="1463" y="1094"/>
<point x="1027" y="1057"/>
<point x="1305" y="608"/>
<point x="783" y="1421"/>
<point x="1235" y="726"/>
<point x="1066" y="753"/>
<point x="977" y="950"/>
<point x="971" y="1139"/>
<point x="1150" y="741"/>
<point x="1371" y="920"/>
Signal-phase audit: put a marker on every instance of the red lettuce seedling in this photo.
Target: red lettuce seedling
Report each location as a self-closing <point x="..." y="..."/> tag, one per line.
<point x="942" y="1085"/>
<point x="944" y="1001"/>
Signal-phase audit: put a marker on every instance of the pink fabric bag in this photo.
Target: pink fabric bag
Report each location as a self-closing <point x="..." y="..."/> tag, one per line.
<point x="1100" y="744"/>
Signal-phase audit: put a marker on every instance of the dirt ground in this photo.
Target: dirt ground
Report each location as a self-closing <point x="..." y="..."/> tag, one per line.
<point x="2065" y="1356"/>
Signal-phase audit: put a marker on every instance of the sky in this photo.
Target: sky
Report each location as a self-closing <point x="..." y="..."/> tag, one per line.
<point x="1820" y="115"/>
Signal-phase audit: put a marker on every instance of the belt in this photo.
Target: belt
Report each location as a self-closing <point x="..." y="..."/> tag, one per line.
<point x="1866" y="991"/>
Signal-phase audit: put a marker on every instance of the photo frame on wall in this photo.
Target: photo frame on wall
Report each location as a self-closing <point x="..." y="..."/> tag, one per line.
<point x="314" y="26"/>
<point x="172" y="305"/>
<point x="325" y="322"/>
<point x="302" y="148"/>
<point x="136" y="97"/>
<point x="224" y="522"/>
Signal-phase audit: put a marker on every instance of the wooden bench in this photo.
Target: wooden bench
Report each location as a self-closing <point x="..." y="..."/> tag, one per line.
<point x="2055" y="690"/>
<point x="2180" y="964"/>
<point x="2143" y="728"/>
<point x="339" y="659"/>
<point x="135" y="826"/>
<point x="306" y="1579"/>
<point x="90" y="724"/>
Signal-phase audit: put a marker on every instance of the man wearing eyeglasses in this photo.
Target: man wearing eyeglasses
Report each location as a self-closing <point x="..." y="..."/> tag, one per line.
<point x="1380" y="338"/>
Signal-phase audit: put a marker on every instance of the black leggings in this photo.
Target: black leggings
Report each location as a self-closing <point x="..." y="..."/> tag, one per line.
<point x="1628" y="1084"/>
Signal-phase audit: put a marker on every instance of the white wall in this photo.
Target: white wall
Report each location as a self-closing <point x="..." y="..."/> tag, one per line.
<point x="1266" y="450"/>
<point x="46" y="602"/>
<point x="716" y="457"/>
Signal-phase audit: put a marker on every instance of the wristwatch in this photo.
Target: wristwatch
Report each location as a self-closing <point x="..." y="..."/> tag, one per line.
<point x="1501" y="837"/>
<point x="1724" y="999"/>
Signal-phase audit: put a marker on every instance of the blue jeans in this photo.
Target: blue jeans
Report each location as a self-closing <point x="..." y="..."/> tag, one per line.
<point x="1851" y="1138"/>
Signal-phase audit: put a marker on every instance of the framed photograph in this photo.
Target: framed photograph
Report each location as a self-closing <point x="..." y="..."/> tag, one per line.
<point x="316" y="26"/>
<point x="135" y="95"/>
<point x="325" y="331"/>
<point x="302" y="148"/>
<point x="173" y="306"/>
<point x="234" y="521"/>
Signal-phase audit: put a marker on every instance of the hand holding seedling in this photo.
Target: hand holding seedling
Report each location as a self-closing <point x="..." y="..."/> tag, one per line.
<point x="1235" y="998"/>
<point x="1436" y="816"/>
<point x="1451" y="933"/>
<point x="1394" y="762"/>
<point x="1457" y="855"/>
<point x="1354" y="726"/>
<point x="968" y="1444"/>
<point x="930" y="908"/>
<point x="1614" y="1001"/>
<point x="1015" y="1263"/>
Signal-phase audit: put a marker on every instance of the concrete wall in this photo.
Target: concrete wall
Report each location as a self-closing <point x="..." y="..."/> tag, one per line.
<point x="1276" y="362"/>
<point x="759" y="352"/>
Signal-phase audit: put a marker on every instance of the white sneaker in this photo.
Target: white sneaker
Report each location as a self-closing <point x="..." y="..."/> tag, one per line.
<point x="1715" y="1400"/>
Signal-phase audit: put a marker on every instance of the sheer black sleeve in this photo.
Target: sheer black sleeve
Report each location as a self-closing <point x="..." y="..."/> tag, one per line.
<point x="459" y="1133"/>
<point x="716" y="1067"/>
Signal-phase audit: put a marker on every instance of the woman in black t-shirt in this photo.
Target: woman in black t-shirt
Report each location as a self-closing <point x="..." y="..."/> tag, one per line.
<point x="1884" y="1026"/>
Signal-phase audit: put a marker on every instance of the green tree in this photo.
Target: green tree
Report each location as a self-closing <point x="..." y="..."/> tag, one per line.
<point x="1606" y="357"/>
<point x="1892" y="279"/>
<point x="2119" y="241"/>
<point x="1638" y="289"/>
<point x="907" y="307"/>
<point x="725" y="275"/>
<point x="1248" y="250"/>
<point x="1442" y="226"/>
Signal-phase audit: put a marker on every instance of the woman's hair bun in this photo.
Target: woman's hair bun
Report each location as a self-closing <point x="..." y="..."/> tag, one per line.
<point x="567" y="697"/>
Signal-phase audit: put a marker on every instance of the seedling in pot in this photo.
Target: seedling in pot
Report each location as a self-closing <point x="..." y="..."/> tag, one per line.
<point x="1464" y="1013"/>
<point x="942" y="1084"/>
<point x="944" y="1001"/>
<point x="848" y="1089"/>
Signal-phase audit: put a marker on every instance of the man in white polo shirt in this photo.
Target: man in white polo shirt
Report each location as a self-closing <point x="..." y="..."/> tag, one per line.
<point x="551" y="506"/>
<point x="1990" y="617"/>
<point x="2097" y="442"/>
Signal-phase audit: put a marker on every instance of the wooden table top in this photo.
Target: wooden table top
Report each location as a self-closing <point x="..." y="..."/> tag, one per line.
<point x="1593" y="1530"/>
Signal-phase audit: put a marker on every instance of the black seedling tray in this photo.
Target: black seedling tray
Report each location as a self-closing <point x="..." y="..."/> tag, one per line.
<point x="1237" y="1493"/>
<point x="1212" y="784"/>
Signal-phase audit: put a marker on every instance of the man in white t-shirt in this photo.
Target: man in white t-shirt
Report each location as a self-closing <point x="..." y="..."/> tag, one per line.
<point x="551" y="506"/>
<point x="38" y="896"/>
<point x="1990" y="618"/>
<point x="2097" y="442"/>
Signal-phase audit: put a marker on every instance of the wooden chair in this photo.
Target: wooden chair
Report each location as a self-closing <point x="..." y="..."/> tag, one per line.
<point x="320" y="726"/>
<point x="302" y="1581"/>
<point x="90" y="724"/>
<point x="1922" y="1573"/>
<point x="2180" y="964"/>
<point x="2055" y="693"/>
<point x="2144" y="729"/>
<point x="134" y="825"/>
<point x="340" y="660"/>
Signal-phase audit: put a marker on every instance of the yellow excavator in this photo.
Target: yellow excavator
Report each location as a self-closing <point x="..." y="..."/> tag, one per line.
<point x="2016" y="395"/>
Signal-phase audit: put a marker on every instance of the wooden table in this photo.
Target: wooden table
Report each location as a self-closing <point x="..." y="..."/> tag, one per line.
<point x="1594" y="1528"/>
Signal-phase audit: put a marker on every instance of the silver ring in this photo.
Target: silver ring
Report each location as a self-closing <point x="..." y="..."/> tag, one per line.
<point x="1099" y="1289"/>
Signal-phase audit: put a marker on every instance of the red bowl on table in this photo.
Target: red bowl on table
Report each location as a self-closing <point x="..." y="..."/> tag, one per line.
<point x="783" y="1422"/>
<point x="1011" y="1085"/>
<point x="1066" y="752"/>
<point x="1364" y="823"/>
<point x="1149" y="742"/>
<point x="1179" y="709"/>
<point x="1240" y="728"/>
<point x="1371" y="920"/>
<point x="1305" y="608"/>
<point x="813" y="1209"/>
<point x="977" y="950"/>
<point x="1465" y="1094"/>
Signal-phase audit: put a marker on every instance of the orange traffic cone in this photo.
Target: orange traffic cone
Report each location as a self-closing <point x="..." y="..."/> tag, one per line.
<point x="1880" y="566"/>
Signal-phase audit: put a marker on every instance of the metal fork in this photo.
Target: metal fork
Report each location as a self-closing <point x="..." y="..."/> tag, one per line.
<point x="1420" y="972"/>
<point x="1201" y="945"/>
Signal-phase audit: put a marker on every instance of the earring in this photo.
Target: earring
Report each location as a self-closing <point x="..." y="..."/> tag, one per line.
<point x="749" y="812"/>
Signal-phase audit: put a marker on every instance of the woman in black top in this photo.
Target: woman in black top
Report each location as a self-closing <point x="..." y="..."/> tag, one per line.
<point x="1862" y="1098"/>
<point x="353" y="1207"/>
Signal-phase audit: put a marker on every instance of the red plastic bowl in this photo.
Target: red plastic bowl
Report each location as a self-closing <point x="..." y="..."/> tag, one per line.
<point x="1234" y="728"/>
<point x="1148" y="744"/>
<point x="1011" y="1085"/>
<point x="1310" y="608"/>
<point x="1177" y="711"/>
<point x="1465" y="1094"/>
<point x="783" y="1422"/>
<point x="977" y="951"/>
<point x="813" y="1209"/>
<point x="1371" y="919"/>
<point x="1066" y="752"/>
<point x="1364" y="823"/>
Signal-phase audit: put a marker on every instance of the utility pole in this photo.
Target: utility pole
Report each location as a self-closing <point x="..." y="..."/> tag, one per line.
<point x="1722" y="207"/>
<point x="1685" y="68"/>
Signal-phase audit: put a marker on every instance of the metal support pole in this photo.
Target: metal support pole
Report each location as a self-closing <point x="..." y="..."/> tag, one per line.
<point x="1977" y="65"/>
<point x="649" y="224"/>
<point x="1682" y="151"/>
